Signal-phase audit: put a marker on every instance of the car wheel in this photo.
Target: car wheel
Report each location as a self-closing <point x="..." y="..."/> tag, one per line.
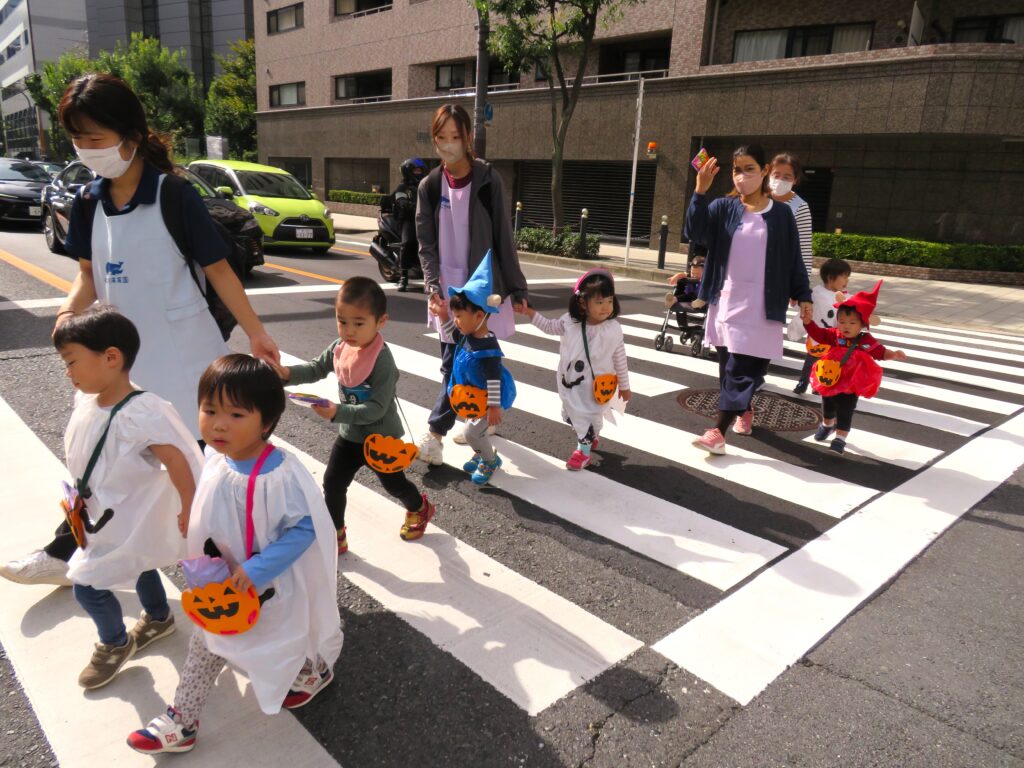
<point x="50" y="233"/>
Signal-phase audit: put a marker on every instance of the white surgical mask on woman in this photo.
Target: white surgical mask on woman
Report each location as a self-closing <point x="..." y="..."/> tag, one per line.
<point x="780" y="186"/>
<point x="106" y="162"/>
<point x="451" y="153"/>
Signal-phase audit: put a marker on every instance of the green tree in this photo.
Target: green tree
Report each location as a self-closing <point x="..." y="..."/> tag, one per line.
<point x="231" y="102"/>
<point x="557" y="37"/>
<point x="47" y="87"/>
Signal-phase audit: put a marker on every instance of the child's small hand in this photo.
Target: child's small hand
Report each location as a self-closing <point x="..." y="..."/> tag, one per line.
<point x="523" y="307"/>
<point x="438" y="306"/>
<point x="625" y="394"/>
<point x="183" y="522"/>
<point x="676" y="278"/>
<point x="283" y="371"/>
<point x="241" y="579"/>
<point x="806" y="312"/>
<point x="896" y="354"/>
<point x="326" y="412"/>
<point x="493" y="415"/>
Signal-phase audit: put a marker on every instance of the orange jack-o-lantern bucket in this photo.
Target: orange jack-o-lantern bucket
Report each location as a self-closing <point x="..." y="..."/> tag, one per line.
<point x="221" y="609"/>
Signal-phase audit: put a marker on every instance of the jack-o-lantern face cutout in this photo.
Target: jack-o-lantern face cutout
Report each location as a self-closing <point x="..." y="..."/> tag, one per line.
<point x="828" y="372"/>
<point x="814" y="349"/>
<point x="221" y="609"/>
<point x="468" y="401"/>
<point x="388" y="454"/>
<point x="604" y="387"/>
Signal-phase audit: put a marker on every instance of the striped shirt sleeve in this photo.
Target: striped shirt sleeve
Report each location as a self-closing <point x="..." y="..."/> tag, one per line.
<point x="803" y="227"/>
<point x="550" y="326"/>
<point x="621" y="366"/>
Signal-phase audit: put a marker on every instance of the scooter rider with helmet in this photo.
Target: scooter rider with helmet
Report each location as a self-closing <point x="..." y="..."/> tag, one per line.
<point x="403" y="208"/>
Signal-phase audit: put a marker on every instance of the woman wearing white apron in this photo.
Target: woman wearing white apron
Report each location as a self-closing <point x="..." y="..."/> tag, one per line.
<point x="128" y="259"/>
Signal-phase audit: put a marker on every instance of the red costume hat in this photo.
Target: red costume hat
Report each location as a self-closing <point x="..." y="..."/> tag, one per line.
<point x="863" y="302"/>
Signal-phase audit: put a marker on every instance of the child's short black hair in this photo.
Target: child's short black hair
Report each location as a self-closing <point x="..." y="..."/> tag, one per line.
<point x="597" y="285"/>
<point x="247" y="383"/>
<point x="850" y="310"/>
<point x="363" y="292"/>
<point x="833" y="268"/>
<point x="98" y="329"/>
<point x="461" y="301"/>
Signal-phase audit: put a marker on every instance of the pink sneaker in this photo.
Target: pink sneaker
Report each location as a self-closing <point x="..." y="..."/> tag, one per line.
<point x="711" y="441"/>
<point x="744" y="424"/>
<point x="577" y="461"/>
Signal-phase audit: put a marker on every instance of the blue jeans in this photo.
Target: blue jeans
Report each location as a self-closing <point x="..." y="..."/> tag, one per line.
<point x="105" y="610"/>
<point x="442" y="418"/>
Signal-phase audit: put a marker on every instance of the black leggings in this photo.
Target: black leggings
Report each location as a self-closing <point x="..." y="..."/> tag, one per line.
<point x="840" y="408"/>
<point x="346" y="459"/>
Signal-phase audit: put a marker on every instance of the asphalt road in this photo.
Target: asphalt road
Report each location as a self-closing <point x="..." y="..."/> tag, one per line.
<point x="928" y="672"/>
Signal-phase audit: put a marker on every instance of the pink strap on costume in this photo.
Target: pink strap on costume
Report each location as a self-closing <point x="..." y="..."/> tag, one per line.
<point x="250" y="492"/>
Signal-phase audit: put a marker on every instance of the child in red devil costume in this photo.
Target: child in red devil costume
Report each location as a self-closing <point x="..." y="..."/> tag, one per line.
<point x="847" y="371"/>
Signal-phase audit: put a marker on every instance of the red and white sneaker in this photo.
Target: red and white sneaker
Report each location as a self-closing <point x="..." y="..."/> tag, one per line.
<point x="711" y="441"/>
<point x="744" y="423"/>
<point x="594" y="443"/>
<point x="307" y="685"/>
<point x="165" y="733"/>
<point x="578" y="460"/>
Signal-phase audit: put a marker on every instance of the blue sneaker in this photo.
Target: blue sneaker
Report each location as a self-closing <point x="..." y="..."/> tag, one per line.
<point x="471" y="465"/>
<point x="823" y="432"/>
<point x="482" y="474"/>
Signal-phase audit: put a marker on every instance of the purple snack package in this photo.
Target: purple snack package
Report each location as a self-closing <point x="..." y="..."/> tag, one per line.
<point x="203" y="570"/>
<point x="699" y="159"/>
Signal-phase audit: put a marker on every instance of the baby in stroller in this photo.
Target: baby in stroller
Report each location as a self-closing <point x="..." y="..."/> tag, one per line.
<point x="689" y="319"/>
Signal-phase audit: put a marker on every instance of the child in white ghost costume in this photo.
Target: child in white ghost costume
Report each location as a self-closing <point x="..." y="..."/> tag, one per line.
<point x="289" y="653"/>
<point x="592" y="358"/>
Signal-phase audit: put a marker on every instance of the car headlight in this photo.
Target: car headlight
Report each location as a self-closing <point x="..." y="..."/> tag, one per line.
<point x="262" y="210"/>
<point x="327" y="214"/>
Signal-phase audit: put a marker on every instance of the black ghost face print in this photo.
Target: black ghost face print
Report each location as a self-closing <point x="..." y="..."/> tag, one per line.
<point x="578" y="367"/>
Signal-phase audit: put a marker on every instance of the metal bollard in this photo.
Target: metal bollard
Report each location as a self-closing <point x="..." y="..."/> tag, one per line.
<point x="663" y="244"/>
<point x="583" y="233"/>
<point x="519" y="218"/>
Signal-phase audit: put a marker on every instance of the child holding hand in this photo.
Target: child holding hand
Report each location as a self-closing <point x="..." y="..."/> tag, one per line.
<point x="835" y="275"/>
<point x="592" y="358"/>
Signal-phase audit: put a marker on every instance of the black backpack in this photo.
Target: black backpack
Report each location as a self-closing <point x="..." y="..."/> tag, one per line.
<point x="170" y="209"/>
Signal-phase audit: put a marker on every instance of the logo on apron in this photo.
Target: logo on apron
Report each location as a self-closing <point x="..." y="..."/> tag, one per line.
<point x="115" y="272"/>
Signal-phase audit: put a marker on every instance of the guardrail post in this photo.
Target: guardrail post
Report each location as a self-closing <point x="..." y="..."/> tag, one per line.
<point x="663" y="244"/>
<point x="519" y="218"/>
<point x="583" y="233"/>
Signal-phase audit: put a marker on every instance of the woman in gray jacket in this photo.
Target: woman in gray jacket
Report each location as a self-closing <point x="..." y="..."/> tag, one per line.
<point x="461" y="214"/>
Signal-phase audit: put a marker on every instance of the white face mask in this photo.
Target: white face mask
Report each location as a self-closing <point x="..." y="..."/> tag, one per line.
<point x="780" y="186"/>
<point x="106" y="162"/>
<point x="451" y="153"/>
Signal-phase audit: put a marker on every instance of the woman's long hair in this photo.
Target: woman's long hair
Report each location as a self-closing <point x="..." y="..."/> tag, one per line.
<point x="109" y="102"/>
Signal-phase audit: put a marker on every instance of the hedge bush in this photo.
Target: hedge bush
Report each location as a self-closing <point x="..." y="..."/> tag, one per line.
<point x="920" y="253"/>
<point x="359" y="198"/>
<point x="566" y="243"/>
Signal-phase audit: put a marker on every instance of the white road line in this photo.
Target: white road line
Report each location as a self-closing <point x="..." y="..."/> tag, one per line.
<point x="894" y="340"/>
<point x="884" y="448"/>
<point x="531" y="644"/>
<point x="827" y="495"/>
<point x="744" y="642"/>
<point x="876" y="405"/>
<point x="48" y="639"/>
<point x="679" y="538"/>
<point x="31" y="303"/>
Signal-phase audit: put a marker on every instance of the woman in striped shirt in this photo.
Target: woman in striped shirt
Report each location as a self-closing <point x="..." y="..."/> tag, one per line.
<point x="787" y="172"/>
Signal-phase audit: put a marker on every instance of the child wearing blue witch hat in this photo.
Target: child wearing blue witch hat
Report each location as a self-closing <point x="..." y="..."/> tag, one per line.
<point x="480" y="387"/>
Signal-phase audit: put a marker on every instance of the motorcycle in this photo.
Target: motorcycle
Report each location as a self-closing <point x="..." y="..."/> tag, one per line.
<point x="386" y="246"/>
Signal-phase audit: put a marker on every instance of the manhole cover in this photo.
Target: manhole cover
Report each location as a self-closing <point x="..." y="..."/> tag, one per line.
<point x="770" y="411"/>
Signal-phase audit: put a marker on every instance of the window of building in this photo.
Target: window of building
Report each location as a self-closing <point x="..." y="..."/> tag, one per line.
<point x="763" y="44"/>
<point x="288" y="95"/>
<point x="283" y="19"/>
<point x="497" y="75"/>
<point x="366" y="86"/>
<point x="450" y="76"/>
<point x="358" y="174"/>
<point x="989" y="29"/>
<point x="646" y="55"/>
<point x="360" y="7"/>
<point x="299" y="167"/>
<point x="150" y="19"/>
<point x="539" y="74"/>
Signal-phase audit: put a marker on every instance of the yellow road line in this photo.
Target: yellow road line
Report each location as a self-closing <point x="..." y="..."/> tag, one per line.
<point x="302" y="272"/>
<point x="37" y="272"/>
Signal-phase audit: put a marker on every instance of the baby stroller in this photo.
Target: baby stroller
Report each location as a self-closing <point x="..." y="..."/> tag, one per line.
<point x="689" y="321"/>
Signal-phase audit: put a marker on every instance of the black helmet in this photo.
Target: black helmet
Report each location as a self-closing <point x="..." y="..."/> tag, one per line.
<point x="413" y="171"/>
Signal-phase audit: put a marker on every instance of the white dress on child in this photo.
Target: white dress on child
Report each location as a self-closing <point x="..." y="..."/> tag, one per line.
<point x="301" y="620"/>
<point x="130" y="480"/>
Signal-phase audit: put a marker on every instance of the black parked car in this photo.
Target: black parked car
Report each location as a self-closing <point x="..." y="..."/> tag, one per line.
<point x="21" y="185"/>
<point x="59" y="194"/>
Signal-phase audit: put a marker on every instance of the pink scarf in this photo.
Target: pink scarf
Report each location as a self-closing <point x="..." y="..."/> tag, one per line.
<point x="353" y="365"/>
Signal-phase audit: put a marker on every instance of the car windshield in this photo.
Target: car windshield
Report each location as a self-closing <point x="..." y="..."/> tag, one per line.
<point x="22" y="172"/>
<point x="272" y="185"/>
<point x="201" y="186"/>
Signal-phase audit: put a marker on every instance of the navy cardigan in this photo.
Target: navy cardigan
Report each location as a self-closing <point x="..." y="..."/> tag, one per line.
<point x="785" y="274"/>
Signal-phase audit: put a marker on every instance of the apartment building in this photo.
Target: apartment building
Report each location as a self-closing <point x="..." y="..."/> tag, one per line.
<point x="909" y="116"/>
<point x="204" y="29"/>
<point x="31" y="32"/>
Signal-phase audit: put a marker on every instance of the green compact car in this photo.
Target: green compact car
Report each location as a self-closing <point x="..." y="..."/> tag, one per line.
<point x="287" y="212"/>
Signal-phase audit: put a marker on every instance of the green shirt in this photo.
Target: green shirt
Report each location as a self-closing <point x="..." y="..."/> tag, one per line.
<point x="377" y="414"/>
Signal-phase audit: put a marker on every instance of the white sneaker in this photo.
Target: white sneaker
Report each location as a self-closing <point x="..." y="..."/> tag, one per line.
<point x="460" y="439"/>
<point x="430" y="450"/>
<point x="37" y="568"/>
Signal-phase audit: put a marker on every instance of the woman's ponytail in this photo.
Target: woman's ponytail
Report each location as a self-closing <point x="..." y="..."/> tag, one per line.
<point x="156" y="149"/>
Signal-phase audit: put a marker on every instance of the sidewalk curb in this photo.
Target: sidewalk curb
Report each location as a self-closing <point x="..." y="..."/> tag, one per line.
<point x="614" y="266"/>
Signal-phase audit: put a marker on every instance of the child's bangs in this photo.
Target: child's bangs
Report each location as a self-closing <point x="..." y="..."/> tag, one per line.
<point x="243" y="382"/>
<point x="598" y="286"/>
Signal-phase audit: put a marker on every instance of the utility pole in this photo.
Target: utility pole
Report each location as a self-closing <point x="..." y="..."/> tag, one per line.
<point x="636" y="154"/>
<point x="483" y="66"/>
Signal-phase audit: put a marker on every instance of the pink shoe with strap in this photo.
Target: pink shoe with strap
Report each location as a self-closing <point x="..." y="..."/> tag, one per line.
<point x="577" y="461"/>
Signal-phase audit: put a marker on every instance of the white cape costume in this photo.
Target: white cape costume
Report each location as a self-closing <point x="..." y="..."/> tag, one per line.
<point x="130" y="480"/>
<point x="301" y="620"/>
<point x="575" y="379"/>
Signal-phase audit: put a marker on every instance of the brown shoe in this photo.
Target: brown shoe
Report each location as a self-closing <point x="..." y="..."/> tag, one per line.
<point x="105" y="663"/>
<point x="416" y="522"/>
<point x="147" y="629"/>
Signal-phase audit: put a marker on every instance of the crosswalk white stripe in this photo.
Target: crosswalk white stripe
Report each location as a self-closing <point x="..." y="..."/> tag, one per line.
<point x="698" y="546"/>
<point x="877" y="405"/>
<point x="885" y="448"/>
<point x="529" y="643"/>
<point x="744" y="642"/>
<point x="48" y="639"/>
<point x="894" y="339"/>
<point x="31" y="303"/>
<point x="800" y="485"/>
